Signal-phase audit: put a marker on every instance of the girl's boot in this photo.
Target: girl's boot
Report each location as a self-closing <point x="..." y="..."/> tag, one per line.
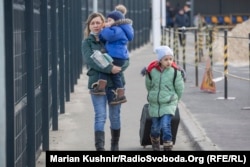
<point x="167" y="145"/>
<point x="155" y="143"/>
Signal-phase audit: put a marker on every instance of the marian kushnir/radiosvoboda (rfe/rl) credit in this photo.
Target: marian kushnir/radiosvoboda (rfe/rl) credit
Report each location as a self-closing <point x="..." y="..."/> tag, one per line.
<point x="197" y="157"/>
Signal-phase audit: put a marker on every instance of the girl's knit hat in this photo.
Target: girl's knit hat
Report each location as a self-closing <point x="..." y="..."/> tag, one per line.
<point x="116" y="15"/>
<point x="162" y="51"/>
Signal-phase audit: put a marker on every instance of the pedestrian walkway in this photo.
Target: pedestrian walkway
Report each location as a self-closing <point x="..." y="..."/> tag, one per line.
<point x="206" y="123"/>
<point x="77" y="124"/>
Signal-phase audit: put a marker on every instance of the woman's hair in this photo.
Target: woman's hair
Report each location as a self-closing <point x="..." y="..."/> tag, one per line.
<point x="90" y="18"/>
<point x="121" y="8"/>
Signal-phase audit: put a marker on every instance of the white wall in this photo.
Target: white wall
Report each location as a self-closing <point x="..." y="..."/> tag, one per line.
<point x="2" y="90"/>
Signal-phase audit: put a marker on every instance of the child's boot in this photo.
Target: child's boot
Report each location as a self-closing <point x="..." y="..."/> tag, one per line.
<point x="119" y="96"/>
<point x="167" y="145"/>
<point x="99" y="87"/>
<point x="155" y="143"/>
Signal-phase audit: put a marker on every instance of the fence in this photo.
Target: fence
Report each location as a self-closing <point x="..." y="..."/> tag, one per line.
<point x="204" y="40"/>
<point x="43" y="63"/>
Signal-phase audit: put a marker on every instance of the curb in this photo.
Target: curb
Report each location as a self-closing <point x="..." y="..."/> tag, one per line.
<point x="194" y="131"/>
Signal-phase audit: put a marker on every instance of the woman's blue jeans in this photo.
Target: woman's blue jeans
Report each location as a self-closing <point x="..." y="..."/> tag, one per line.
<point x="162" y="123"/>
<point x="100" y="104"/>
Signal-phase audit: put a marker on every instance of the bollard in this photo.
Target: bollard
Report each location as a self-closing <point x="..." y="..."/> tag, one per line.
<point x="176" y="45"/>
<point x="225" y="64"/>
<point x="162" y="34"/>
<point x="226" y="70"/>
<point x="196" y="58"/>
<point x="215" y="31"/>
<point x="207" y="37"/>
<point x="200" y="44"/>
<point x="169" y="37"/>
<point x="211" y="48"/>
<point x="183" y="49"/>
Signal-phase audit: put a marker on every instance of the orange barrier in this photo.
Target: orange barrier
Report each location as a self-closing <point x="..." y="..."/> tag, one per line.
<point x="226" y="19"/>
<point x="239" y="19"/>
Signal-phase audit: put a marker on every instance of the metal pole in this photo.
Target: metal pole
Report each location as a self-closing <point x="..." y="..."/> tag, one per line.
<point x="183" y="49"/>
<point x="2" y="90"/>
<point x="9" y="71"/>
<point x="31" y="109"/>
<point x="61" y="55"/>
<point x="226" y="69"/>
<point x="211" y="48"/>
<point x="174" y="45"/>
<point x="225" y="64"/>
<point x="169" y="37"/>
<point x="196" y="58"/>
<point x="67" y="59"/>
<point x="54" y="66"/>
<point x="45" y="74"/>
<point x="192" y="12"/>
<point x="177" y="44"/>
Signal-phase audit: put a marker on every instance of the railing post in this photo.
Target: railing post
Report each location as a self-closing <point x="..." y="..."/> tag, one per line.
<point x="67" y="44"/>
<point x="31" y="109"/>
<point x="226" y="69"/>
<point x="196" y="58"/>
<point x="54" y="66"/>
<point x="183" y="49"/>
<point x="3" y="109"/>
<point x="225" y="64"/>
<point x="61" y="55"/>
<point x="169" y="37"/>
<point x="211" y="48"/>
<point x="45" y="73"/>
<point x="9" y="62"/>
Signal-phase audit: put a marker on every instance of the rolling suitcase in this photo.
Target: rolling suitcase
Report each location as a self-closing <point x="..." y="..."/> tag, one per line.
<point x="146" y="122"/>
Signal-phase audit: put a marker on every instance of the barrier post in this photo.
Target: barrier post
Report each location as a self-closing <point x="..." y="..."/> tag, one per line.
<point x="225" y="69"/>
<point x="176" y="45"/>
<point x="200" y="44"/>
<point x="207" y="37"/>
<point x="196" y="58"/>
<point x="183" y="49"/>
<point x="164" y="36"/>
<point x="162" y="32"/>
<point x="225" y="64"/>
<point x="211" y="48"/>
<point x="169" y="37"/>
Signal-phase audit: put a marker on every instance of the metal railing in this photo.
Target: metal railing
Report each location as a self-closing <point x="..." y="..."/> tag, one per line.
<point x="43" y="63"/>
